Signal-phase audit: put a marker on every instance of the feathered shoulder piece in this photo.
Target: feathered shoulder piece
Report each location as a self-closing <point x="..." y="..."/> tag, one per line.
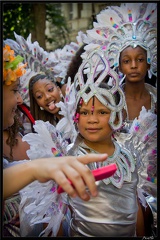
<point x="142" y="142"/>
<point x="46" y="142"/>
<point x="130" y="24"/>
<point x="40" y="201"/>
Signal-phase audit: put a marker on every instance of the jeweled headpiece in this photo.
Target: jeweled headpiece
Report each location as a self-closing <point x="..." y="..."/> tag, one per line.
<point x="13" y="67"/>
<point x="130" y="24"/>
<point x="92" y="74"/>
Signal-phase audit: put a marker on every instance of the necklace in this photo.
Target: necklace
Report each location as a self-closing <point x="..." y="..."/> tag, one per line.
<point x="123" y="159"/>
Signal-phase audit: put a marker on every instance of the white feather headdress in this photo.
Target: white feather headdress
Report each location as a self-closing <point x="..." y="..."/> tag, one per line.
<point x="130" y="24"/>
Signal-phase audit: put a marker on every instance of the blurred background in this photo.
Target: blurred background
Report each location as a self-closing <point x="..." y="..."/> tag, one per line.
<point x="52" y="24"/>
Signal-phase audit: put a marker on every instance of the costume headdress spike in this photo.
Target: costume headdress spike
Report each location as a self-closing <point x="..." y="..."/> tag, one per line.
<point x="87" y="83"/>
<point x="130" y="24"/>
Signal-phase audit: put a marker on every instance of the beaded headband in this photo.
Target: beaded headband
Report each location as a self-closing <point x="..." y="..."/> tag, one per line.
<point x="12" y="66"/>
<point x="130" y="24"/>
<point x="94" y="71"/>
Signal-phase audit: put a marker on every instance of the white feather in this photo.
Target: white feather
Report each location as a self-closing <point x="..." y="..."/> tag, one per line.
<point x="149" y="9"/>
<point x="66" y="124"/>
<point x="104" y="16"/>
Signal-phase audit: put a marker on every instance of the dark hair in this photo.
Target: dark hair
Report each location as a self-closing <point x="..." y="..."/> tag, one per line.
<point x="12" y="132"/>
<point x="74" y="65"/>
<point x="152" y="81"/>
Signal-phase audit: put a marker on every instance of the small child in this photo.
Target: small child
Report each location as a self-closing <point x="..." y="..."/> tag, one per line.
<point x="98" y="115"/>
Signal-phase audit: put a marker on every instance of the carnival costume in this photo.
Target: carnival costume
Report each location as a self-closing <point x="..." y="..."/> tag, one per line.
<point x="87" y="217"/>
<point x="111" y="41"/>
<point x="106" y="214"/>
<point x="116" y="28"/>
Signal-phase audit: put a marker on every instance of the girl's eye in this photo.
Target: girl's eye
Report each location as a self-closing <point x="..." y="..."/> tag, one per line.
<point x="125" y="61"/>
<point x="83" y="113"/>
<point x="140" y="60"/>
<point x="51" y="89"/>
<point x="39" y="97"/>
<point x="104" y="112"/>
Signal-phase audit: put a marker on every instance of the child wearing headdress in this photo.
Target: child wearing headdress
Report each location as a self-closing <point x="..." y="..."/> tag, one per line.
<point x="98" y="115"/>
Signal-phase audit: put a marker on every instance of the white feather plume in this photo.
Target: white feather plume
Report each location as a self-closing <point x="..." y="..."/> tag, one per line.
<point x="66" y="124"/>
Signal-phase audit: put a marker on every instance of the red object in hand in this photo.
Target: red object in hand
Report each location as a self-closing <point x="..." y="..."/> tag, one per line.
<point x="99" y="174"/>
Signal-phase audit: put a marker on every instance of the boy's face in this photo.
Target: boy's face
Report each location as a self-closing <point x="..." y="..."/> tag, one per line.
<point x="133" y="64"/>
<point x="93" y="126"/>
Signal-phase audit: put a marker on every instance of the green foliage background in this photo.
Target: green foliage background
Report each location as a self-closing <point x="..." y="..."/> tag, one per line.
<point x="18" y="17"/>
